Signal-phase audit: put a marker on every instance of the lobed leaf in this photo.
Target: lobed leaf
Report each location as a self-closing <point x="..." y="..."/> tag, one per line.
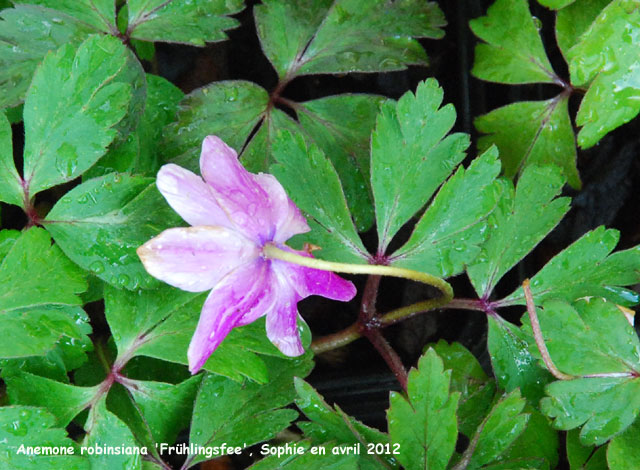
<point x="98" y="14"/>
<point x="622" y="451"/>
<point x="574" y="20"/>
<point x="10" y="181"/>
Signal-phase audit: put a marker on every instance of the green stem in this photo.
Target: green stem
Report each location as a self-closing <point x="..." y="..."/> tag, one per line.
<point x="273" y="252"/>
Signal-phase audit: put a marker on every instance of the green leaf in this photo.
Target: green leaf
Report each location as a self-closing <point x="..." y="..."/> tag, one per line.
<point x="245" y="413"/>
<point x="228" y="109"/>
<point x="165" y="407"/>
<point x="329" y="426"/>
<point x="106" y="429"/>
<point x="574" y="20"/>
<point x="100" y="223"/>
<point x="165" y="321"/>
<point x="62" y="400"/>
<point x="623" y="451"/>
<point x="99" y="14"/>
<point x="606" y="59"/>
<point x="27" y="34"/>
<point x="513" y="51"/>
<point x="587" y="268"/>
<point x="182" y="21"/>
<point x="521" y="220"/>
<point x="468" y="378"/>
<point x="10" y="181"/>
<point x="448" y="236"/>
<point x="513" y="364"/>
<point x="410" y="156"/>
<point x="584" y="457"/>
<point x="140" y="152"/>
<point x="312" y="183"/>
<point x="38" y="304"/>
<point x="321" y="36"/>
<point x="323" y="458"/>
<point x="341" y="126"/>
<point x="555" y="4"/>
<point x="32" y="427"/>
<point x="7" y="240"/>
<point x="424" y="424"/>
<point x="73" y="108"/>
<point x="502" y="426"/>
<point x="532" y="133"/>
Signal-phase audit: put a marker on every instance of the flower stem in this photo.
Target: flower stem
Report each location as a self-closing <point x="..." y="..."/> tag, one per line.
<point x="273" y="252"/>
<point x="537" y="334"/>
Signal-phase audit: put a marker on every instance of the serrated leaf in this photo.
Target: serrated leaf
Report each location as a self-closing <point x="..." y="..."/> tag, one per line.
<point x="587" y="268"/>
<point x="623" y="451"/>
<point x="27" y="34"/>
<point x="10" y="181"/>
<point x="100" y="223"/>
<point x="513" y="364"/>
<point x="312" y="183"/>
<point x="468" y="378"/>
<point x="521" y="220"/>
<point x="33" y="427"/>
<point x="73" y="109"/>
<point x="502" y="426"/>
<point x="228" y="109"/>
<point x="341" y="126"/>
<point x="62" y="400"/>
<point x="323" y="36"/>
<point x="106" y="429"/>
<point x="140" y="152"/>
<point x="99" y="14"/>
<point x="165" y="321"/>
<point x="424" y="424"/>
<point x="606" y="58"/>
<point x="181" y="21"/>
<point x="584" y="457"/>
<point x="449" y="234"/>
<point x="513" y="51"/>
<point x="532" y="133"/>
<point x="574" y="20"/>
<point x="411" y="155"/>
<point x="245" y="413"/>
<point x="329" y="426"/>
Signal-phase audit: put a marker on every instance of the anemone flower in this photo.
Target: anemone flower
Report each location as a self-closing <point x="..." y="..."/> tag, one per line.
<point x="234" y="215"/>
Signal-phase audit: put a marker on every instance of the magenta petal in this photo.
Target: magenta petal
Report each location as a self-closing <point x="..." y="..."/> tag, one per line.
<point x="237" y="293"/>
<point x="286" y="216"/>
<point x="195" y="258"/>
<point x="308" y="281"/>
<point x="282" y="329"/>
<point x="190" y="197"/>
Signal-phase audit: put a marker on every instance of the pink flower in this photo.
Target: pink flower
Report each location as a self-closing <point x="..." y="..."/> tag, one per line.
<point x="233" y="214"/>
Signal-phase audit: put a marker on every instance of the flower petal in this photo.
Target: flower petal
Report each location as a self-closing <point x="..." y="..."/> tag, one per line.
<point x="286" y="216"/>
<point x="239" y="292"/>
<point x="282" y="329"/>
<point x="190" y="197"/>
<point x="308" y="281"/>
<point x="196" y="258"/>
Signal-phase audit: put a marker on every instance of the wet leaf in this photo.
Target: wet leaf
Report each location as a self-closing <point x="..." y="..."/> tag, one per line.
<point x="449" y="234"/>
<point x="623" y="451"/>
<point x="97" y="89"/>
<point x="424" y="424"/>
<point x="520" y="221"/>
<point x="512" y="51"/>
<point x="411" y="155"/>
<point x="532" y="133"/>
<point x="33" y="427"/>
<point x="321" y="36"/>
<point x="99" y="14"/>
<point x="574" y="20"/>
<point x="10" y="180"/>
<point x="182" y="21"/>
<point x="606" y="59"/>
<point x="584" y="457"/>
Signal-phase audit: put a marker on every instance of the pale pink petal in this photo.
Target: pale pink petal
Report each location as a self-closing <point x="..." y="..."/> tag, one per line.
<point x="236" y="190"/>
<point x="282" y="329"/>
<point x="265" y="303"/>
<point x="190" y="197"/>
<point x="196" y="258"/>
<point x="286" y="216"/>
<point x="308" y="281"/>
<point x="237" y="293"/>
